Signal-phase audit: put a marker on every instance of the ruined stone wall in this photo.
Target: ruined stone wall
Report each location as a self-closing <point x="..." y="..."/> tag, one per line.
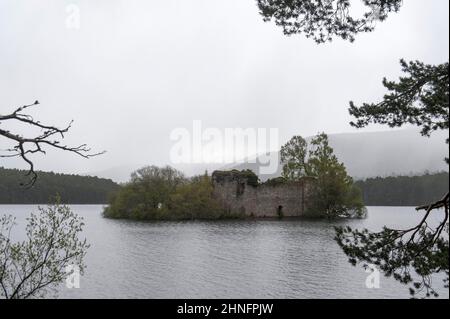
<point x="265" y="200"/>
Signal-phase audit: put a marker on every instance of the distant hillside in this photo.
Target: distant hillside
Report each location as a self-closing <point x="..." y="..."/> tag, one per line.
<point x="404" y="190"/>
<point x="397" y="152"/>
<point x="387" y="153"/>
<point x="73" y="189"/>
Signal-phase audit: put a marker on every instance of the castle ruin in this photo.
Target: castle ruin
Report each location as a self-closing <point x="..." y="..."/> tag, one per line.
<point x="240" y="193"/>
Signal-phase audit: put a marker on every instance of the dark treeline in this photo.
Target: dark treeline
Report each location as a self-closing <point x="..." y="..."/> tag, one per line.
<point x="73" y="189"/>
<point x="76" y="189"/>
<point x="404" y="190"/>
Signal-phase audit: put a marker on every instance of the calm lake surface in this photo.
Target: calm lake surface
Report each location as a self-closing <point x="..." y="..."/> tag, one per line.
<point x="226" y="259"/>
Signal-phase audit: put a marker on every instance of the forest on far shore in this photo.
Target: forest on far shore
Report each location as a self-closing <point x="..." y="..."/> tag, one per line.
<point x="73" y="189"/>
<point x="404" y="190"/>
<point x="77" y="189"/>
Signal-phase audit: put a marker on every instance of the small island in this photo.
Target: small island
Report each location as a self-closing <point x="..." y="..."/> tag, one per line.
<point x="313" y="184"/>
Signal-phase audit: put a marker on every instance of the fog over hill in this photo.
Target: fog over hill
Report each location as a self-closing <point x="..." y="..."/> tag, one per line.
<point x="396" y="152"/>
<point x="400" y="152"/>
<point x="365" y="154"/>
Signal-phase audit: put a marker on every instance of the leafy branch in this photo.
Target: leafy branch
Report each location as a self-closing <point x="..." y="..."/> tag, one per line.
<point x="32" y="267"/>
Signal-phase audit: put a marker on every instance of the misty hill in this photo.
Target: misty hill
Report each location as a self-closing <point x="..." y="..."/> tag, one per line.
<point x="388" y="153"/>
<point x="404" y="190"/>
<point x="73" y="189"/>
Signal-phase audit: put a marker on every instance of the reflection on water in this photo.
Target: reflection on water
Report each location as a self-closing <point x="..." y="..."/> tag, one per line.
<point x="226" y="259"/>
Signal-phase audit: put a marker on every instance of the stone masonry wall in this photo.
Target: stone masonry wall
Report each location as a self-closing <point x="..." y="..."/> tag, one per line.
<point x="288" y="199"/>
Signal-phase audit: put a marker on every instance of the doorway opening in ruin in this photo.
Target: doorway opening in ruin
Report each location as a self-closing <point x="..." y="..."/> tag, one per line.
<point x="280" y="211"/>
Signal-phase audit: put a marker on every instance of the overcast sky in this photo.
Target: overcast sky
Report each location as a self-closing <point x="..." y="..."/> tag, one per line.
<point x="137" y="69"/>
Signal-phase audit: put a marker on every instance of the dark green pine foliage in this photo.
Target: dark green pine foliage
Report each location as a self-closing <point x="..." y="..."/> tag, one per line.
<point x="321" y="20"/>
<point x="420" y="98"/>
<point x="404" y="190"/>
<point x="412" y="255"/>
<point x="72" y="189"/>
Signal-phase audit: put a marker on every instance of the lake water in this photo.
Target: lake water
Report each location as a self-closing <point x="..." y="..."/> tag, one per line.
<point x="225" y="259"/>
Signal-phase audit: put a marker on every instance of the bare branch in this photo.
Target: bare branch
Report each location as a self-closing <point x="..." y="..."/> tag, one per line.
<point x="25" y="146"/>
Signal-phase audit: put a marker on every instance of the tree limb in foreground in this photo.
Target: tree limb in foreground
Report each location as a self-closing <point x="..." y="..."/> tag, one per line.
<point x="421" y="250"/>
<point x="49" y="136"/>
<point x="324" y="20"/>
<point x="421" y="98"/>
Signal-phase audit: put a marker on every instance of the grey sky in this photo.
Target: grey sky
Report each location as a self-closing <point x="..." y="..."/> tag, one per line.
<point x="135" y="70"/>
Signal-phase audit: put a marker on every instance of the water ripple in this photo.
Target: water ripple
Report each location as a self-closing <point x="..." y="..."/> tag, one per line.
<point x="225" y="259"/>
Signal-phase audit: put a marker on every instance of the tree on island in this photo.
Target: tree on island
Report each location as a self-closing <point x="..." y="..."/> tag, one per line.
<point x="334" y="193"/>
<point x="420" y="99"/>
<point x="31" y="268"/>
<point x="147" y="195"/>
<point x="164" y="193"/>
<point x="293" y="157"/>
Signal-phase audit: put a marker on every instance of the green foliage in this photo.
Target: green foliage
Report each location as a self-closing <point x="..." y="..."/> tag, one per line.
<point x="33" y="267"/>
<point x="333" y="193"/>
<point x="322" y="20"/>
<point x="293" y="156"/>
<point x="147" y="195"/>
<point x="421" y="98"/>
<point x="402" y="254"/>
<point x="73" y="189"/>
<point x="165" y="194"/>
<point x="404" y="190"/>
<point x="194" y="200"/>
